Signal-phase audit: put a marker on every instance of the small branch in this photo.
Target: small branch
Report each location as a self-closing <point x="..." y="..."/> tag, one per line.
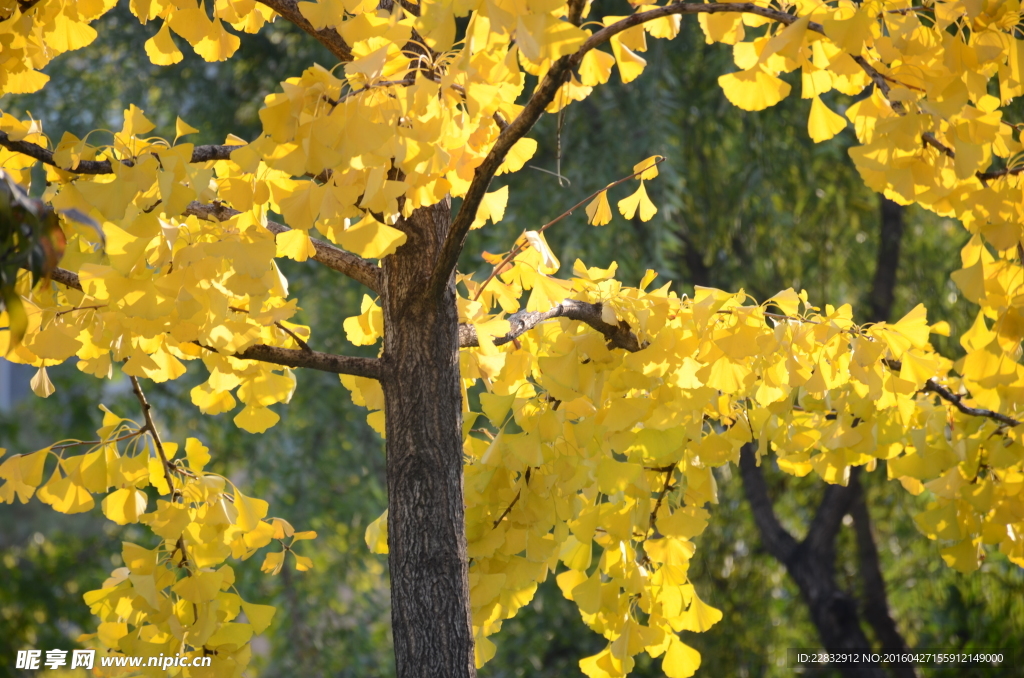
<point x="298" y="340"/>
<point x="79" y="443"/>
<point x="150" y="428"/>
<point x="996" y="174"/>
<point x="777" y="539"/>
<point x="66" y="278"/>
<point x="933" y="386"/>
<point x="929" y="139"/>
<point x="328" y="37"/>
<point x="653" y="522"/>
<point x="372" y="368"/>
<point x="287" y="357"/>
<point x="80" y="308"/>
<point x="332" y="257"/>
<point x="519" y="247"/>
<point x="45" y="156"/>
<point x="519" y="492"/>
<point x="618" y="336"/>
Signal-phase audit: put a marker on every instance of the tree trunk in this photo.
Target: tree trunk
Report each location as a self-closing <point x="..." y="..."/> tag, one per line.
<point x="430" y="610"/>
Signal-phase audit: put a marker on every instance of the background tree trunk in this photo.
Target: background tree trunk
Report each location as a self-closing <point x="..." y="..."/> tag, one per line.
<point x="811" y="562"/>
<point x="430" y="609"/>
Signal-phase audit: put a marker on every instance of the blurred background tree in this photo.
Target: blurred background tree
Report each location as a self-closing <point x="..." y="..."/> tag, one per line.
<point x="746" y="201"/>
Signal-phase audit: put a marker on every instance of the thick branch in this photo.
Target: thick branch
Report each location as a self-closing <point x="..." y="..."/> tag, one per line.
<point x="618" y="336"/>
<point x="357" y="268"/>
<point x="835" y="504"/>
<point x="328" y="37"/>
<point x="890" y="235"/>
<point x="777" y="539"/>
<point x="876" y="603"/>
<point x="483" y="174"/>
<point x="545" y="94"/>
<point x="45" y="156"/>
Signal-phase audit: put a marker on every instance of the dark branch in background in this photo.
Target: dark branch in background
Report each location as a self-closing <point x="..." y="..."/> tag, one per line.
<point x="618" y="336"/>
<point x="811" y="563"/>
<point x="328" y="37"/>
<point x="357" y="268"/>
<point x="776" y="539"/>
<point x="874" y="598"/>
<point x="873" y="594"/>
<point x="287" y="357"/>
<point x="45" y="156"/>
<point x="883" y="285"/>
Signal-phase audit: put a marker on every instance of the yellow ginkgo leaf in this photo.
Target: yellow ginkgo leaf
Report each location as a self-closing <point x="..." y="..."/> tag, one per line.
<point x="599" y="212"/>
<point x="41" y="384"/>
<point x="628" y="206"/>
<point x="370" y="239"/>
<point x="259" y="616"/>
<point x="753" y="89"/>
<point x="681" y="660"/>
<point x="125" y="505"/>
<point x="256" y="419"/>
<point x="162" y="51"/>
<point x="218" y="44"/>
<point x="273" y="563"/>
<point x="377" y="534"/>
<point x="630" y="64"/>
<point x="181" y="128"/>
<point x="823" y="123"/>
<point x="492" y="207"/>
<point x="517" y="156"/>
<point x="549" y="262"/>
<point x="647" y="169"/>
<point x="295" y="244"/>
<point x="596" y="68"/>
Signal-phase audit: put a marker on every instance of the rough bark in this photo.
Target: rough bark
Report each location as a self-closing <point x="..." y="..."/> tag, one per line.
<point x="423" y="410"/>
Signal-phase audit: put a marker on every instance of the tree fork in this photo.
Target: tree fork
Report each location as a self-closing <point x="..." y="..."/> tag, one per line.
<point x="430" y="608"/>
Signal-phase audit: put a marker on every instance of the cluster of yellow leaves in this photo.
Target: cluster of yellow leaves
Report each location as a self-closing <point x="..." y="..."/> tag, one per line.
<point x="590" y="446"/>
<point x="932" y="132"/>
<point x="178" y="597"/>
<point x="161" y="290"/>
<point x="586" y="446"/>
<point x="34" y="33"/>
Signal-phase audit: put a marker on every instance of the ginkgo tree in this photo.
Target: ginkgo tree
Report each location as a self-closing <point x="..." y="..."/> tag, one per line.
<point x="535" y="425"/>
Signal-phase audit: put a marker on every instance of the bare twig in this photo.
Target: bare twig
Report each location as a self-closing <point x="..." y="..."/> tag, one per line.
<point x="520" y="246"/>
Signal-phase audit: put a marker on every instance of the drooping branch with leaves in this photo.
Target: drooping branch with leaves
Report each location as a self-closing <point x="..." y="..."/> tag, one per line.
<point x="532" y="422"/>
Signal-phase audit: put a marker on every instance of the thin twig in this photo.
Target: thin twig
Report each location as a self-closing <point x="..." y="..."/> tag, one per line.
<point x="519" y="247"/>
<point x="150" y="427"/>
<point x="298" y="340"/>
<point x="526" y="478"/>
